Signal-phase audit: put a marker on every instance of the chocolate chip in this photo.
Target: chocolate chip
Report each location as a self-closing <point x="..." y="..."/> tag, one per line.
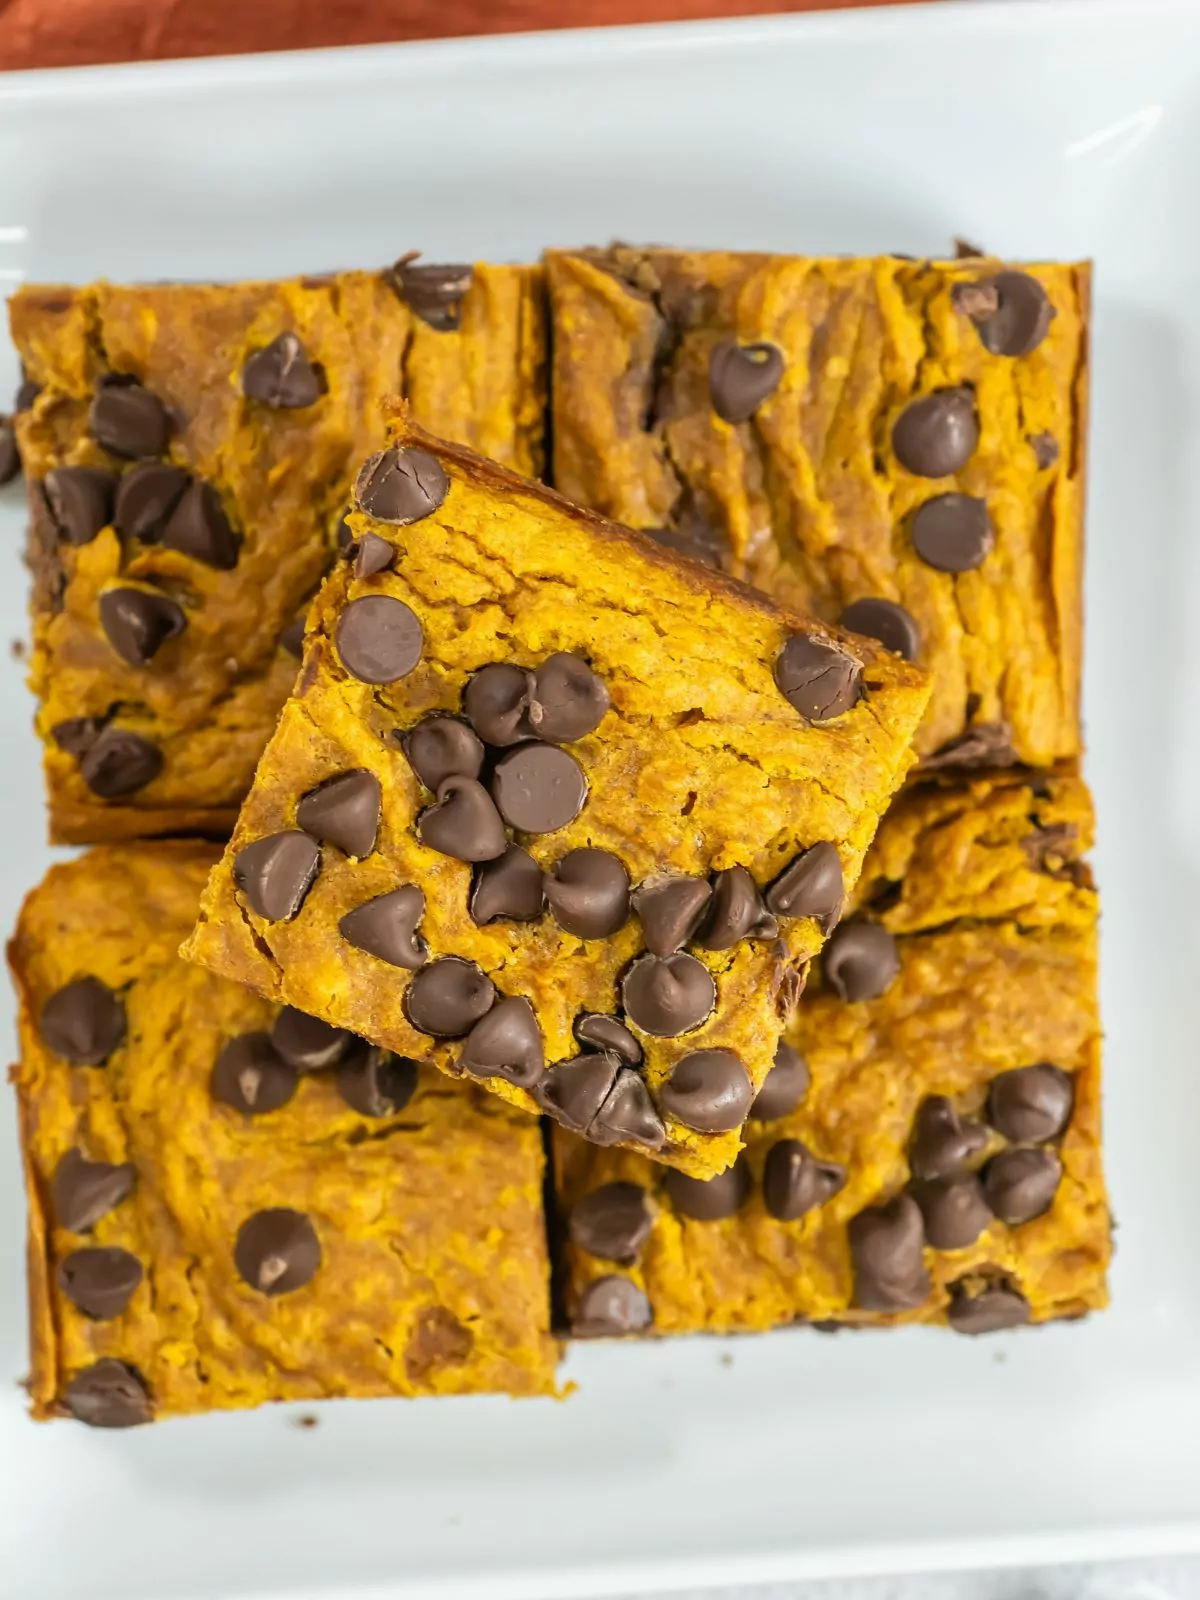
<point x="379" y="639"/>
<point x="83" y="1022"/>
<point x="671" y="908"/>
<point x="506" y="1043"/>
<point x="568" y="699"/>
<point x="987" y="744"/>
<point x="795" y="1181"/>
<point x="307" y="1043"/>
<point x="886" y="621"/>
<point x="937" y="434"/>
<point x="138" y="623"/>
<point x="127" y="420"/>
<point x="704" y="545"/>
<point x="1031" y="1104"/>
<point x="1045" y="450"/>
<point x="509" y="888"/>
<point x="811" y="885"/>
<point x="943" y="1142"/>
<point x="1013" y="313"/>
<point x="277" y="1250"/>
<point x="708" y="1090"/>
<point x="275" y="873"/>
<point x="10" y="456"/>
<point x="819" y="680"/>
<point x="613" y="1222"/>
<point x="861" y="959"/>
<point x="108" y="1394"/>
<point x="952" y="532"/>
<point x="539" y="788"/>
<point x="83" y="1191"/>
<point x="573" y="1091"/>
<point x="442" y="747"/>
<point x="292" y="637"/>
<point x="448" y="997"/>
<point x="77" y="735"/>
<point x="377" y="1083"/>
<point x="954" y="1209"/>
<point x="741" y="377"/>
<point x="628" y="1115"/>
<point x="372" y="555"/>
<point x="281" y="376"/>
<point x="198" y="527"/>
<point x="250" y="1076"/>
<point x="611" y="1306"/>
<point x="1021" y="1184"/>
<point x="599" y="1032"/>
<point x="784" y="1086"/>
<point x="146" y="496"/>
<point x="344" y="534"/>
<point x="387" y="927"/>
<point x="668" y="995"/>
<point x="100" y="1282"/>
<point x="120" y="763"/>
<point x="736" y="912"/>
<point x="434" y="292"/>
<point x="886" y="1247"/>
<point x="496" y="701"/>
<point x="401" y="486"/>
<point x="710" y="1199"/>
<point x="27" y="393"/>
<point x="588" y="893"/>
<point x="988" y="1309"/>
<point x="464" y="823"/>
<point x="344" y="811"/>
<point x="80" y="501"/>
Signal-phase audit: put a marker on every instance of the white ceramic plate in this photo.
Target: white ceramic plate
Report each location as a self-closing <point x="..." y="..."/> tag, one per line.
<point x="1065" y="130"/>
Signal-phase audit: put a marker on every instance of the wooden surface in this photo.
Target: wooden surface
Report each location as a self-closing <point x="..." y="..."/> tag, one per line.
<point x="63" y="33"/>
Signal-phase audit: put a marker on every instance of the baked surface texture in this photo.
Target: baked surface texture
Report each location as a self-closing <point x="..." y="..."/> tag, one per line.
<point x="963" y="1092"/>
<point x="403" y="1250"/>
<point x="838" y="431"/>
<point x="167" y="604"/>
<point x="650" y="694"/>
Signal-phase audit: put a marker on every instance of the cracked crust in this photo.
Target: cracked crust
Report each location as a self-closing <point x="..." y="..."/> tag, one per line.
<point x="997" y="970"/>
<point x="209" y="699"/>
<point x="808" y="498"/>
<point x="412" y="1210"/>
<point x="701" y="764"/>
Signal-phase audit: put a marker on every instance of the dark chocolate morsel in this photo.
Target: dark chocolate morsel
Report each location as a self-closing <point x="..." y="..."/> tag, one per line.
<point x="464" y="823"/>
<point x="100" y="1282"/>
<point x="277" y="1250"/>
<point x="442" y="747"/>
<point x="27" y="392"/>
<point x="588" y="893"/>
<point x="735" y="912"/>
<point x="379" y="639"/>
<point x="820" y="680"/>
<point x="609" y="1307"/>
<point x="496" y="703"/>
<point x="307" y="1043"/>
<point x="1031" y="1104"/>
<point x="952" y="532"/>
<point x="783" y="1087"/>
<point x="987" y="1309"/>
<point x="943" y="1142"/>
<point x="372" y="555"/>
<point x="936" y="435"/>
<point x="1021" y="1184"/>
<point x="77" y="735"/>
<point x="119" y="763"/>
<point x="795" y="1181"/>
<point x="811" y="885"/>
<point x="628" y="1115"/>
<point x="741" y="377"/>
<point x="401" y="486"/>
<point x="506" y="1043"/>
<point x="83" y="1191"/>
<point x="668" y="995"/>
<point x="887" y="1248"/>
<point x="448" y="997"/>
<point x="987" y="744"/>
<point x="275" y="873"/>
<point x="345" y="811"/>
<point x="146" y="496"/>
<point x="509" y="888"/>
<point x="538" y="788"/>
<point x="595" y="1031"/>
<point x="710" y="1199"/>
<point x="198" y="527"/>
<point x="709" y="1090"/>
<point x="568" y="700"/>
<point x="613" y="1222"/>
<point x="886" y="621"/>
<point x="83" y="1022"/>
<point x="671" y="908"/>
<point x="126" y="419"/>
<point x="433" y="291"/>
<point x="1011" y="310"/>
<point x="10" y="455"/>
<point x="573" y="1091"/>
<point x="281" y="376"/>
<point x="108" y="1394"/>
<point x="139" y="622"/>
<point x="387" y="927"/>
<point x="250" y="1076"/>
<point x="377" y="1083"/>
<point x="954" y="1209"/>
<point x="861" y="960"/>
<point x="1045" y="450"/>
<point x="344" y="534"/>
<point x="706" y="545"/>
<point x="80" y="501"/>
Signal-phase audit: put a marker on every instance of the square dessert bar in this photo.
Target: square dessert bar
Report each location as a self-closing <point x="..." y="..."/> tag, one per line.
<point x="893" y="445"/>
<point x="927" y="1147"/>
<point x="229" y="1203"/>
<point x="555" y="808"/>
<point x="189" y="450"/>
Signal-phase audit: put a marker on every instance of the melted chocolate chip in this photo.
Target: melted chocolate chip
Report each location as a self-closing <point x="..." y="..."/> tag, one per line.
<point x="610" y="1307"/>
<point x="250" y="1076"/>
<point x="628" y="1115"/>
<point x="668" y="995"/>
<point x="1031" y="1104"/>
<point x="434" y="292"/>
<point x="819" y="680"/>
<point x="277" y="1250"/>
<point x="943" y="1142"/>
<point x="952" y="532"/>
<point x="83" y="1022"/>
<point x="506" y="1043"/>
<point x="741" y="377"/>
<point x="710" y="1199"/>
<point x="379" y="639"/>
<point x="281" y="376"/>
<point x="795" y="1181"/>
<point x="387" y="927"/>
<point x="596" y="1031"/>
<point x="954" y="1209"/>
<point x="539" y="788"/>
<point x="573" y="1091"/>
<point x="376" y="1083"/>
<point x="986" y="1309"/>
<point x="671" y="908"/>
<point x="83" y="1191"/>
<point x="100" y="1282"/>
<point x="588" y="893"/>
<point x="139" y="622"/>
<point x="937" y="434"/>
<point x="783" y="1087"/>
<point x="108" y="1394"/>
<point x="886" y="621"/>
<point x="448" y="997"/>
<point x="120" y="763"/>
<point x="736" y="912"/>
<point x="1021" y="1184"/>
<point x="613" y="1222"/>
<point x="146" y="496"/>
<point x="987" y="744"/>
<point x="10" y="455"/>
<point x="1045" y="450"/>
<point x="198" y="527"/>
<point x="861" y="960"/>
<point x="442" y="747"/>
<point x="127" y="420"/>
<point x="307" y="1043"/>
<point x="77" y="735"/>
<point x="1012" y="312"/>
<point x="464" y="823"/>
<point x="344" y="811"/>
<point x="568" y="701"/>
<point x="80" y="501"/>
<point x="275" y="873"/>
<point x="401" y="486"/>
<point x="496" y="702"/>
<point x="509" y="888"/>
<point x="708" y="1090"/>
<point x="811" y="885"/>
<point x="886" y="1247"/>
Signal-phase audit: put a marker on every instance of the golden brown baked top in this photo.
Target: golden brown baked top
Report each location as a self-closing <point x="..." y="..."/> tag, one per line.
<point x="209" y="1227"/>
<point x="189" y="454"/>
<point x="927" y="1152"/>
<point x="519" y="714"/>
<point x="837" y="431"/>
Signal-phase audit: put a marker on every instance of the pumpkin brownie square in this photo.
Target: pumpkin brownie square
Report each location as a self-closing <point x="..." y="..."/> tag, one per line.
<point x="230" y="1203"/>
<point x="896" y="446"/>
<point x="927" y="1147"/>
<point x="189" y="450"/>
<point x="555" y="808"/>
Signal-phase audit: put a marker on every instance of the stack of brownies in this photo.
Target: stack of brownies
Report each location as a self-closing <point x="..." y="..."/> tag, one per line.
<point x="734" y="864"/>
